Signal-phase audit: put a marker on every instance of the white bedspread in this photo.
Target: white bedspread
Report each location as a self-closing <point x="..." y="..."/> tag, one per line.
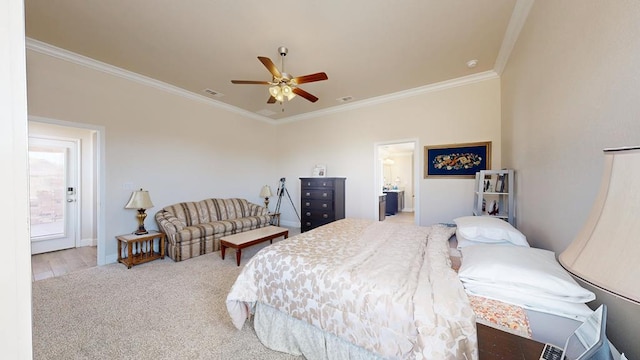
<point x="379" y="285"/>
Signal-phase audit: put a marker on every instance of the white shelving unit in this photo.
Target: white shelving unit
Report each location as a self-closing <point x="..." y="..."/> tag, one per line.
<point x="494" y="195"/>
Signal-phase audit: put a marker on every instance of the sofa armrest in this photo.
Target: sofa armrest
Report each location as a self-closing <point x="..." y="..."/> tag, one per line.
<point x="257" y="210"/>
<point x="168" y="223"/>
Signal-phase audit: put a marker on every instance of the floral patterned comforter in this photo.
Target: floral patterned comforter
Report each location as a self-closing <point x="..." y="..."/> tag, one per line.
<point x="386" y="287"/>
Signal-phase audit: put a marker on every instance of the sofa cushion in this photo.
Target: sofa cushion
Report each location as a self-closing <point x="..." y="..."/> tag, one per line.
<point x="200" y="231"/>
<point x="221" y="228"/>
<point x="223" y="209"/>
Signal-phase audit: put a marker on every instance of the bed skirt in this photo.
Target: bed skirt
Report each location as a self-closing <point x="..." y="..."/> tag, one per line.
<point x="281" y="332"/>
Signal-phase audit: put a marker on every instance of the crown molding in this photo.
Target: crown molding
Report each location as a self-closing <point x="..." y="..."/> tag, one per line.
<point x="50" y="50"/>
<point x="448" y="84"/>
<point x="81" y="60"/>
<point x="518" y="19"/>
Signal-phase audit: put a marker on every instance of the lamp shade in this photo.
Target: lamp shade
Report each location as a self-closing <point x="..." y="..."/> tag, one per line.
<point x="265" y="192"/>
<point x="279" y="92"/>
<point x="139" y="200"/>
<point x="605" y="252"/>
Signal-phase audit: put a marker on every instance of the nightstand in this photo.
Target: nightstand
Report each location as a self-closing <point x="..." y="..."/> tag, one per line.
<point x="140" y="248"/>
<point x="275" y="219"/>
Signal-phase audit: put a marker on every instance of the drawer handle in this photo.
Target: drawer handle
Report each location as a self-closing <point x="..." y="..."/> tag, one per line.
<point x="325" y="194"/>
<point x="308" y="194"/>
<point x="308" y="214"/>
<point x="308" y="224"/>
<point x="325" y="205"/>
<point x="307" y="204"/>
<point x="326" y="216"/>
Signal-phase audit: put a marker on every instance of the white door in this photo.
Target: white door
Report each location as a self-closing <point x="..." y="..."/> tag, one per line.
<point x="53" y="182"/>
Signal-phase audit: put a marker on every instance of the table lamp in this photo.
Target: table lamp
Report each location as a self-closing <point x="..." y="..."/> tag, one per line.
<point x="265" y="193"/>
<point x="141" y="201"/>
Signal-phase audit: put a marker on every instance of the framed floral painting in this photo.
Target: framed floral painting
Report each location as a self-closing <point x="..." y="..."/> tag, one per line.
<point x="457" y="160"/>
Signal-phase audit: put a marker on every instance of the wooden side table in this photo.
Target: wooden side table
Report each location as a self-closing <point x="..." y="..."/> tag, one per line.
<point x="275" y="219"/>
<point x="140" y="248"/>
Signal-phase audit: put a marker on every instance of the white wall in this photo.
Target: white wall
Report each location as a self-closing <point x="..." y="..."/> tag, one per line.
<point x="345" y="142"/>
<point x="178" y="148"/>
<point x="570" y="89"/>
<point x="15" y="267"/>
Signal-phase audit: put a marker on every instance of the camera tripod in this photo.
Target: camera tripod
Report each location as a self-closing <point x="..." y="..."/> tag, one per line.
<point x="281" y="191"/>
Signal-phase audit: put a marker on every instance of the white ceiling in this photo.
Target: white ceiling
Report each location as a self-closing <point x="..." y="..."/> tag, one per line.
<point x="368" y="48"/>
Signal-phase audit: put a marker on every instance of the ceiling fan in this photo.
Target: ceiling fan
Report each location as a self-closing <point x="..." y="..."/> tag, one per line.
<point x="283" y="85"/>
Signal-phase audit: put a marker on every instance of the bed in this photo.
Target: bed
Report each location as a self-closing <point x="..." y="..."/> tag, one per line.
<point x="361" y="289"/>
<point x="358" y="289"/>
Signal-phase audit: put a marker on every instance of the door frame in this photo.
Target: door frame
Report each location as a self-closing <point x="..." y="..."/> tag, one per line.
<point x="99" y="171"/>
<point x="72" y="170"/>
<point x="378" y="168"/>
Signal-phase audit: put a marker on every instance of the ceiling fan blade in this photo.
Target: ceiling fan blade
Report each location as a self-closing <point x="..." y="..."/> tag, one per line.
<point x="271" y="100"/>
<point x="310" y="78"/>
<point x="250" y="82"/>
<point x="304" y="94"/>
<point x="270" y="66"/>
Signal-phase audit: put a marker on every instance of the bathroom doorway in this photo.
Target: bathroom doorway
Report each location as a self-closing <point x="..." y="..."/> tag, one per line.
<point x="396" y="169"/>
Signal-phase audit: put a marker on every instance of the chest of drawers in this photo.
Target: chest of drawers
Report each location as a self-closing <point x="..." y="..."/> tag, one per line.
<point x="321" y="201"/>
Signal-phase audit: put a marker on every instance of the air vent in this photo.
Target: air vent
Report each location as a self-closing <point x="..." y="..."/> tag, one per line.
<point x="345" y="99"/>
<point x="213" y="93"/>
<point x="266" y="112"/>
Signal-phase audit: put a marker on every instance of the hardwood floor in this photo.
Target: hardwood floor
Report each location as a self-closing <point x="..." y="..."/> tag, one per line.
<point x="62" y="262"/>
<point x="401" y="217"/>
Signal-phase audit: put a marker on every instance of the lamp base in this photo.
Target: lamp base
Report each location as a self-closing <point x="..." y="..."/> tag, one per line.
<point x="141" y="216"/>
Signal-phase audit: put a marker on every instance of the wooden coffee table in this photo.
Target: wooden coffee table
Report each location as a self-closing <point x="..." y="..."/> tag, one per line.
<point x="252" y="237"/>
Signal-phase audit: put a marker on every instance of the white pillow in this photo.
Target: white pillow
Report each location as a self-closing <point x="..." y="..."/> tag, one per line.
<point x="462" y="241"/>
<point x="489" y="229"/>
<point x="571" y="310"/>
<point x="520" y="270"/>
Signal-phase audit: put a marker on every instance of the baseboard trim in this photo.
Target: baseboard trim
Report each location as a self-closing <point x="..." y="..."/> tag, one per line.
<point x="88" y="242"/>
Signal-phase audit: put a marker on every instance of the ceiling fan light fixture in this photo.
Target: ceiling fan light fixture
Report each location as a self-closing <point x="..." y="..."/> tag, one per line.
<point x="287" y="91"/>
<point x="279" y="92"/>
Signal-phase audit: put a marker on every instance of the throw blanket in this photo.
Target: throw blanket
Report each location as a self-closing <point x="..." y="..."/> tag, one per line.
<point x="386" y="287"/>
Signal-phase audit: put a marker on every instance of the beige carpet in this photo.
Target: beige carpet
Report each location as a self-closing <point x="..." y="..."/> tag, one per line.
<point x="158" y="310"/>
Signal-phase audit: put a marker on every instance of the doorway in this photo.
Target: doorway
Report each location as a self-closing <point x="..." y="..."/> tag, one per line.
<point x="396" y="169"/>
<point x="85" y="194"/>
<point x="53" y="186"/>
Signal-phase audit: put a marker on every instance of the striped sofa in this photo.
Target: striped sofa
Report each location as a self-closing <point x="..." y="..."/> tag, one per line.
<point x="194" y="228"/>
